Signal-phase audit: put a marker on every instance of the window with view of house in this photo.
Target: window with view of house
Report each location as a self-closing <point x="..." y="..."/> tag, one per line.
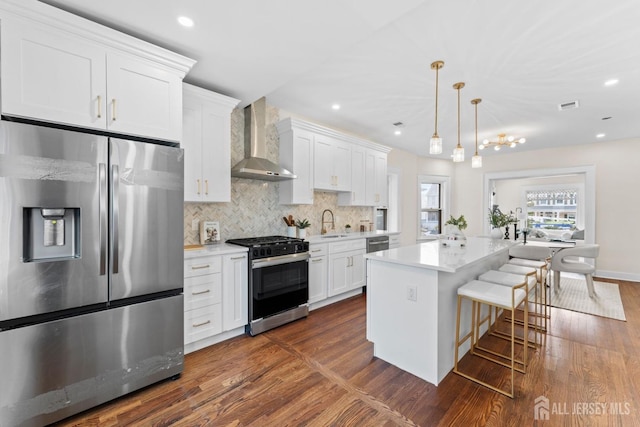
<point x="433" y="202"/>
<point x="552" y="209"/>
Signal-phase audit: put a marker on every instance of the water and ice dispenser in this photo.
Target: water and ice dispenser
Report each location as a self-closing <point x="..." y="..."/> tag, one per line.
<point x="51" y="233"/>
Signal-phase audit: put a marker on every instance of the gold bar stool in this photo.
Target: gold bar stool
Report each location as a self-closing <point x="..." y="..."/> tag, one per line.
<point x="537" y="257"/>
<point x="495" y="296"/>
<point x="539" y="299"/>
<point x="515" y="280"/>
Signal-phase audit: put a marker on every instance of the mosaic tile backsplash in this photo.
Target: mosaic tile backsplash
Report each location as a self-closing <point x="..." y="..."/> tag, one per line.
<point x="254" y="209"/>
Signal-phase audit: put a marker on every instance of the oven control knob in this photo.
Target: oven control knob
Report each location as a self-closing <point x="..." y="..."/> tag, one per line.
<point x="255" y="253"/>
<point x="269" y="251"/>
<point x="262" y="252"/>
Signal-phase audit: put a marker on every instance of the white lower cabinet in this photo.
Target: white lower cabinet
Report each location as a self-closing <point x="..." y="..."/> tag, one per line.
<point x="394" y="241"/>
<point x="215" y="298"/>
<point x="235" y="292"/>
<point x="317" y="272"/>
<point x="346" y="266"/>
<point x="202" y="298"/>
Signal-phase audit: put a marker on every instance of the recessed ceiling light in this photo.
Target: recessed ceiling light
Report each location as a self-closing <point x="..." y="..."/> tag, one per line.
<point x="397" y="132"/>
<point x="611" y="82"/>
<point x="336" y="106"/>
<point x="600" y="135"/>
<point x="185" y="21"/>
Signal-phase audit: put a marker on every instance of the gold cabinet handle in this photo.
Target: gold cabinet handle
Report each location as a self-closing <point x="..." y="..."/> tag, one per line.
<point x="113" y="104"/>
<point x="238" y="257"/>
<point x="206" y="187"/>
<point x="196" y="325"/>
<point x="199" y="267"/>
<point x="317" y="260"/>
<point x="99" y="106"/>
<point x="198" y="181"/>
<point x="201" y="292"/>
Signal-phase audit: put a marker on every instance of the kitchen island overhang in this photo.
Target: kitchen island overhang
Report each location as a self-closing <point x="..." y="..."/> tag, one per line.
<point x="412" y="301"/>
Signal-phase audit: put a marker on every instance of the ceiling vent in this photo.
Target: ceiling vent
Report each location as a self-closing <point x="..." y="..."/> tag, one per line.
<point x="568" y="105"/>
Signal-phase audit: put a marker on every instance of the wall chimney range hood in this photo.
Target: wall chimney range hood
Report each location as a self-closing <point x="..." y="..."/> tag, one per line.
<point x="255" y="165"/>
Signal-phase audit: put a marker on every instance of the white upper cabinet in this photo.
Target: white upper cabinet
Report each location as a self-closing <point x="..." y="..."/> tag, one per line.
<point x="332" y="164"/>
<point x="376" y="178"/>
<point x="369" y="178"/>
<point x="143" y="99"/>
<point x="357" y="196"/>
<point x="206" y="140"/>
<point x="296" y="155"/>
<point x="52" y="76"/>
<point x="324" y="159"/>
<point x="76" y="72"/>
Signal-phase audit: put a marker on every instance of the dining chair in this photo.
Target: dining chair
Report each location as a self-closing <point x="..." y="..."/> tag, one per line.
<point x="568" y="260"/>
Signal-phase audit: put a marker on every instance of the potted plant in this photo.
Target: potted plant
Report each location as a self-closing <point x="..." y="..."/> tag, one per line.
<point x="302" y="225"/>
<point x="497" y="219"/>
<point x="347" y="228"/>
<point x="460" y="222"/>
<point x="454" y="235"/>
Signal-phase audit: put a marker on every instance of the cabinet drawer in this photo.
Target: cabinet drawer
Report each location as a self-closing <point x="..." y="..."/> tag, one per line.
<point x="347" y="245"/>
<point x="202" y="323"/>
<point x="200" y="291"/>
<point x="318" y="250"/>
<point x="201" y="266"/>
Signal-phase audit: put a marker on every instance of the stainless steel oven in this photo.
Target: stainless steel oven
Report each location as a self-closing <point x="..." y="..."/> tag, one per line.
<point x="278" y="281"/>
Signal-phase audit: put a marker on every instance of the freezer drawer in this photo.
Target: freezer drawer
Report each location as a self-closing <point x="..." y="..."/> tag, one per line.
<point x="56" y="369"/>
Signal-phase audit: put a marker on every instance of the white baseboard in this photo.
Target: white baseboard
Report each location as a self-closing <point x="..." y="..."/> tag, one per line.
<point x="632" y="277"/>
<point x="206" y="342"/>
<point x="334" y="298"/>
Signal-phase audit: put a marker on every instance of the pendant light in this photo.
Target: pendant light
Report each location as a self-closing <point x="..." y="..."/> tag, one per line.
<point x="435" y="144"/>
<point x="476" y="160"/>
<point x="458" y="152"/>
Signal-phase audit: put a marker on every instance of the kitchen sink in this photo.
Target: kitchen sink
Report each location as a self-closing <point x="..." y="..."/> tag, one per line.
<point x="332" y="236"/>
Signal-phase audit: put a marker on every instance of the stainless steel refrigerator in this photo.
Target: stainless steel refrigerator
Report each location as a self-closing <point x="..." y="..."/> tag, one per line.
<point x="91" y="270"/>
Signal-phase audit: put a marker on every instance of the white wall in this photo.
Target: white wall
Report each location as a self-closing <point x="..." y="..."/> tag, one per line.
<point x="617" y="203"/>
<point x="411" y="166"/>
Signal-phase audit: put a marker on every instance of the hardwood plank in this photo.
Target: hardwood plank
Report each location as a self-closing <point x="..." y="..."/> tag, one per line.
<point x="321" y="371"/>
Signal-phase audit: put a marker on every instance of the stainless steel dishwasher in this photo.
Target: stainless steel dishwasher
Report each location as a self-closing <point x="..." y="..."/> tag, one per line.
<point x="377" y="243"/>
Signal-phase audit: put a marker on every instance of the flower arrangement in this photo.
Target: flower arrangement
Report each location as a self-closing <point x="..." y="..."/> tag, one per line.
<point x="460" y="222"/>
<point x="498" y="219"/>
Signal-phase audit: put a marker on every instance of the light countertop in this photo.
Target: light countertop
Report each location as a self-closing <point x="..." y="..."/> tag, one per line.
<point x="214" y="249"/>
<point x="434" y="256"/>
<point x="337" y="237"/>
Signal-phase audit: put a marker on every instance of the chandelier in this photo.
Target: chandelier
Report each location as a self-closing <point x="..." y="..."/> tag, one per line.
<point x="476" y="160"/>
<point x="458" y="152"/>
<point x="503" y="140"/>
<point x="435" y="144"/>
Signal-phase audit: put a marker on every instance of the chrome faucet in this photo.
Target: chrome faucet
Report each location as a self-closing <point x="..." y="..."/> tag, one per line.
<point x="333" y="224"/>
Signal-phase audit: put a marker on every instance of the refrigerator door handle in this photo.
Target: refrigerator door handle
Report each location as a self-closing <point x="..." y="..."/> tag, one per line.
<point x="103" y="200"/>
<point x="115" y="179"/>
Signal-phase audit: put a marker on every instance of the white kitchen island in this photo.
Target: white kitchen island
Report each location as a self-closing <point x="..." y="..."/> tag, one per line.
<point x="412" y="301"/>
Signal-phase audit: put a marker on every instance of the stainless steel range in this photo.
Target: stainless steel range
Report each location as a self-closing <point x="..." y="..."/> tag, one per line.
<point x="278" y="281"/>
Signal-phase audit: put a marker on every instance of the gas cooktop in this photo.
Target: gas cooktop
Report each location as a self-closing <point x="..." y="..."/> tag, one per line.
<point x="251" y="242"/>
<point x="268" y="246"/>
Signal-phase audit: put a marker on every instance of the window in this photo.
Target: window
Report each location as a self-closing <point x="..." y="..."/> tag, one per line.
<point x="433" y="200"/>
<point x="552" y="208"/>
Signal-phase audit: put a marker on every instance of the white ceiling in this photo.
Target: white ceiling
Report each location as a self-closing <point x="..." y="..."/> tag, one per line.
<point x="373" y="58"/>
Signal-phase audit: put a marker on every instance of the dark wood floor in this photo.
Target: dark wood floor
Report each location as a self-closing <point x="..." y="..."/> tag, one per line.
<point x="320" y="371"/>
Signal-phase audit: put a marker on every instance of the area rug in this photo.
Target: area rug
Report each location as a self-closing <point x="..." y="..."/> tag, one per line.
<point x="574" y="296"/>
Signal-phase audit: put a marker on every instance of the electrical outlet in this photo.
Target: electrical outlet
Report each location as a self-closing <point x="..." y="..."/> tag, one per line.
<point x="412" y="293"/>
<point x="195" y="224"/>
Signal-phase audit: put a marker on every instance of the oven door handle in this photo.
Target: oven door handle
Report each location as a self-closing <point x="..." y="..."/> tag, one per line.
<point x="278" y="260"/>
